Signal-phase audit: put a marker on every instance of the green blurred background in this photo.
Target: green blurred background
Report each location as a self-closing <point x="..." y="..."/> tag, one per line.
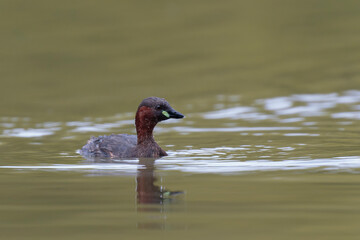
<point x="69" y="59"/>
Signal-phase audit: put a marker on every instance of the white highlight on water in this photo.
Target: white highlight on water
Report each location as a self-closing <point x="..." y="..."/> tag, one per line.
<point x="210" y="165"/>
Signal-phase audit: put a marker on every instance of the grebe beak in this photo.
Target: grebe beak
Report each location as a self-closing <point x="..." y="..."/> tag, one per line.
<point x="175" y="114"/>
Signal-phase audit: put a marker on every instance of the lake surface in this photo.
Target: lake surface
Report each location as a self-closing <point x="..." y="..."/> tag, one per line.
<point x="269" y="148"/>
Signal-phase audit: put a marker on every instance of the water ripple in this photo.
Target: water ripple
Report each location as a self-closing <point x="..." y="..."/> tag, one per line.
<point x="299" y="105"/>
<point x="214" y="166"/>
<point x="29" y="133"/>
<point x="288" y="111"/>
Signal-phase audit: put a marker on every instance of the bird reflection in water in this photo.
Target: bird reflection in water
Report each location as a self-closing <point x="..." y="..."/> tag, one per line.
<point x="147" y="191"/>
<point x="153" y="201"/>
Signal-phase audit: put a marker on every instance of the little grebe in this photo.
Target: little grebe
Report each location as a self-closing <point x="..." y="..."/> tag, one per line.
<point x="150" y="111"/>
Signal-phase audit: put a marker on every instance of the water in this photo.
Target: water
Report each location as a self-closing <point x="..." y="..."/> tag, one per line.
<point x="268" y="148"/>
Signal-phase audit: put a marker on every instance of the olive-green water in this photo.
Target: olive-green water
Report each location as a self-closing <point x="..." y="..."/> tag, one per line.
<point x="269" y="148"/>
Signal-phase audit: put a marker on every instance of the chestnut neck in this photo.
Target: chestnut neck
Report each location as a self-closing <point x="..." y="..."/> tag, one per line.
<point x="145" y="121"/>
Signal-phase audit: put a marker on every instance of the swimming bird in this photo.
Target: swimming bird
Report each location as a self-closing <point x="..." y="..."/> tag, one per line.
<point x="150" y="111"/>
